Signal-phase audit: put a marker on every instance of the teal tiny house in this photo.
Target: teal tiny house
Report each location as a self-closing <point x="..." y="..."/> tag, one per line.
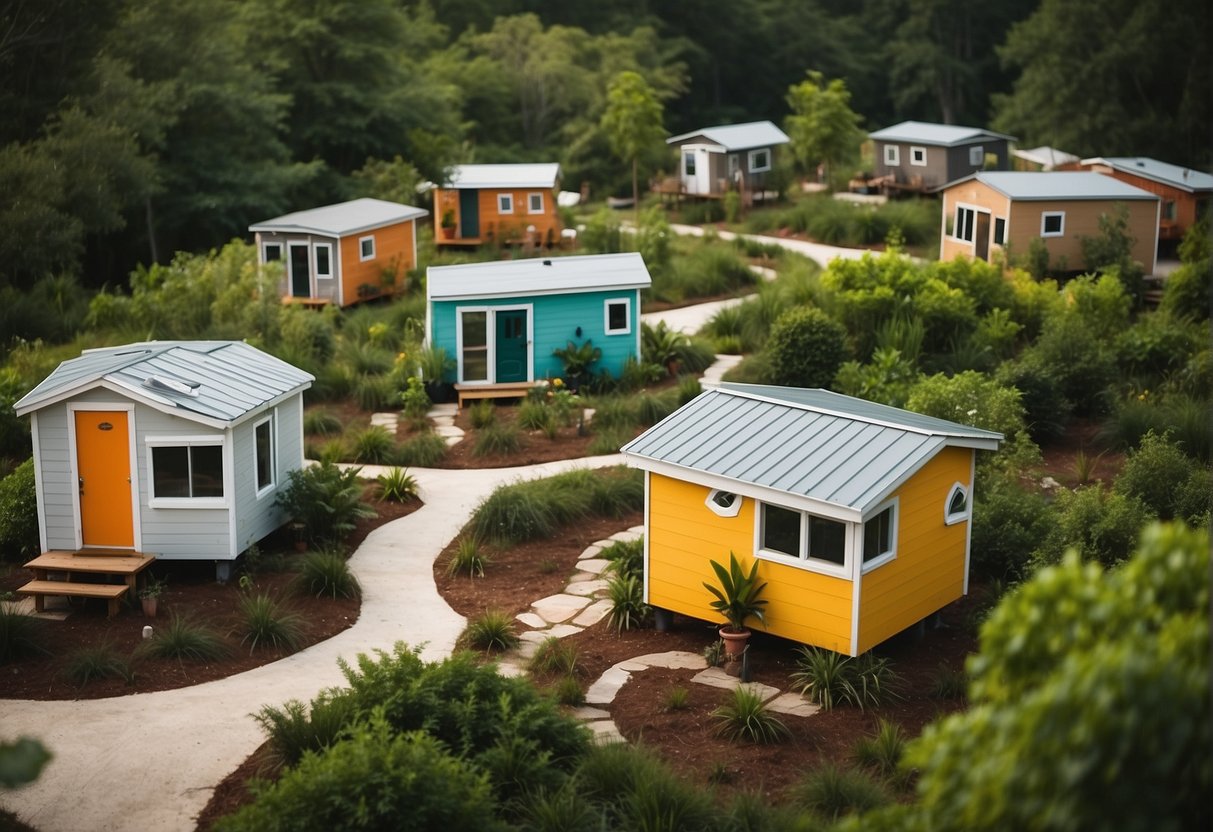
<point x="503" y="321"/>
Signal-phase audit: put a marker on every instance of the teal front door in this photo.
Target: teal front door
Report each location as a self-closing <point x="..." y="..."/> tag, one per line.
<point x="469" y="214"/>
<point x="511" y="345"/>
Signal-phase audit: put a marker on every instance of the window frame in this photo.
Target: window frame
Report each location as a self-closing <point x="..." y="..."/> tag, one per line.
<point x="894" y="509"/>
<point x="505" y="203"/>
<point x="606" y="316"/>
<point x="892" y="155"/>
<point x="754" y="154"/>
<point x="1000" y="231"/>
<point x="802" y="560"/>
<point x="187" y="442"/>
<point x="1170" y="210"/>
<point x="1045" y="216"/>
<point x="265" y="252"/>
<point x="977" y="156"/>
<point x="688" y="163"/>
<point x="914" y="151"/>
<point x="462" y="347"/>
<point x="270" y="423"/>
<point x="731" y="510"/>
<point x="328" y="248"/>
<point x="951" y="518"/>
<point x="958" y="226"/>
<point x="530" y="202"/>
<point x="363" y="256"/>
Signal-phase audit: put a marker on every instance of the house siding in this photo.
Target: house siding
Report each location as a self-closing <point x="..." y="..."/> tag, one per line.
<point x="503" y="227"/>
<point x="944" y="164"/>
<point x="383" y="274"/>
<point x="929" y="570"/>
<point x="258" y="517"/>
<point x="321" y="289"/>
<point x="684" y="536"/>
<point x="978" y="195"/>
<point x="1185" y="203"/>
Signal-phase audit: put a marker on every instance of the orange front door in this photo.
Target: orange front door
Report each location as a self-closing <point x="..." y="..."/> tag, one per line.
<point x="103" y="463"/>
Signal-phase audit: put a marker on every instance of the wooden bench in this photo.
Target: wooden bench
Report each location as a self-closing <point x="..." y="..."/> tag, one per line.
<point x="40" y="589"/>
<point x="510" y="390"/>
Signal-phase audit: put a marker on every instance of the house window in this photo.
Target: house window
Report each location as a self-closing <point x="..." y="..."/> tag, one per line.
<point x="806" y="537"/>
<point x="366" y="248"/>
<point x="1168" y="210"/>
<point x="618" y="316"/>
<point x="271" y="252"/>
<point x="534" y="203"/>
<point x="688" y="163"/>
<point x="918" y="156"/>
<point x="977" y="156"/>
<point x="324" y="260"/>
<point x="879" y="536"/>
<point x="957" y="507"/>
<point x="263" y="454"/>
<point x="474" y="346"/>
<point x="1052" y="223"/>
<point x="734" y="165"/>
<point x="505" y="203"/>
<point x="892" y="155"/>
<point x="187" y="469"/>
<point x="1000" y="231"/>
<point x="962" y="229"/>
<point x="724" y="503"/>
<point x="760" y="160"/>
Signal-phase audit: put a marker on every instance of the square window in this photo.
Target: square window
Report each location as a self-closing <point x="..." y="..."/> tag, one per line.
<point x="187" y="471"/>
<point x="272" y="252"/>
<point x="827" y="539"/>
<point x="324" y="260"/>
<point x="918" y="156"/>
<point x="878" y="535"/>
<point x="366" y="248"/>
<point x="618" y="317"/>
<point x="1000" y="231"/>
<point x="505" y="203"/>
<point x="1052" y="224"/>
<point x="534" y="203"/>
<point x="977" y="156"/>
<point x="263" y="454"/>
<point x="781" y="530"/>
<point x="760" y="160"/>
<point x="892" y="155"/>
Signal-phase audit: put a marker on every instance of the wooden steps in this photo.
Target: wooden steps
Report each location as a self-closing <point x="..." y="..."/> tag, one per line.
<point x="72" y="589"/>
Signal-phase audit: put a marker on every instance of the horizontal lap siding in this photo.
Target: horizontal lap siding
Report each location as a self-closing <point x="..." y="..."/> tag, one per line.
<point x="255" y="518"/>
<point x="514" y="226"/>
<point x="1082" y="220"/>
<point x="393" y="254"/>
<point x="685" y="535"/>
<point x="55" y="476"/>
<point x="928" y="572"/>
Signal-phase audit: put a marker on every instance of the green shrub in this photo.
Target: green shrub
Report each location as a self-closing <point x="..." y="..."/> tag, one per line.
<point x="561" y="810"/>
<point x="1153" y="473"/>
<point x="322" y="423"/>
<point x="1186" y="292"/>
<point x="19" y="514"/>
<point x="688" y="388"/>
<point x="834" y="792"/>
<point x="916" y="219"/>
<point x="949" y="683"/>
<point x="568" y="691"/>
<point x="831" y="679"/>
<point x="497" y="440"/>
<point x="183" y="640"/>
<point x="483" y="414"/>
<point x="626" y="557"/>
<point x="1101" y="526"/>
<point x="806" y="348"/>
<point x="651" y="408"/>
<point x="20" y="635"/>
<point x="326" y="500"/>
<point x="374" y="445"/>
<point x="677" y="698"/>
<point x="533" y="415"/>
<point x="414" y="400"/>
<point x="608" y="441"/>
<point x="326" y="573"/>
<point x="969" y="398"/>
<point x="365" y="359"/>
<point x="397" y="485"/>
<point x="377" y="392"/>
<point x="1157" y="344"/>
<point x="425" y="450"/>
<point x="491" y="631"/>
<point x="1009" y="523"/>
<point x="1046" y="409"/>
<point x="101" y="661"/>
<point x="745" y="716"/>
<point x="295" y="728"/>
<point x="626" y="596"/>
<point x="554" y="656"/>
<point x="614" y="413"/>
<point x="468" y="557"/>
<point x="264" y="622"/>
<point x="882" y="751"/>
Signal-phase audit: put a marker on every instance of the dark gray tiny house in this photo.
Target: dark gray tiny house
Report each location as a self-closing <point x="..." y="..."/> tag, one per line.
<point x="727" y="157"/>
<point x="919" y="156"/>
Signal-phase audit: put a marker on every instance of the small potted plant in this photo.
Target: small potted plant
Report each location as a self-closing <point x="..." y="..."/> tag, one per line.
<point x="737" y="600"/>
<point x="448" y="224"/>
<point x="150" y="594"/>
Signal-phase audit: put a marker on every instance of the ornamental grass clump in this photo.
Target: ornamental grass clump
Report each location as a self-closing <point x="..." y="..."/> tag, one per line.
<point x="469" y="557"/>
<point x="493" y="631"/>
<point x="182" y="640"/>
<point x="829" y="679"/>
<point x="397" y="485"/>
<point x="745" y="716"/>
<point x="264" y="622"/>
<point x="326" y="573"/>
<point x="101" y="661"/>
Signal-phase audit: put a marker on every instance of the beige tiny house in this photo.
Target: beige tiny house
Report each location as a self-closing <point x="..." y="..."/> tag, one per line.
<point x="993" y="212"/>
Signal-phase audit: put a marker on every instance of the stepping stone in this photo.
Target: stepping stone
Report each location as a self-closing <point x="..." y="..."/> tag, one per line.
<point x="446" y="409"/>
<point x="765" y="691"/>
<point x="594" y="613"/>
<point x="509" y="669"/>
<point x="588" y="414"/>
<point x="602" y="544"/>
<point x="564" y="631"/>
<point x="595" y="565"/>
<point x="632" y="666"/>
<point x="384" y="420"/>
<point x="716" y="677"/>
<point x="605" y="732"/>
<point x="586" y="588"/>
<point x="531" y="620"/>
<point x="557" y="608"/>
<point x="637" y="529"/>
<point x="581" y="577"/>
<point x="535" y="637"/>
<point x="447" y="432"/>
<point x="586" y="713"/>
<point x="626" y="536"/>
<point x="603" y="691"/>
<point x="673" y="660"/>
<point x="591" y="551"/>
<point x="793" y="704"/>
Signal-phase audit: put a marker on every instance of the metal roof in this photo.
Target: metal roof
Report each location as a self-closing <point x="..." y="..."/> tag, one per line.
<point x="737" y="136"/>
<point x="542" y="175"/>
<point x="537" y="276"/>
<point x="823" y="447"/>
<point x="947" y="135"/>
<point x="1045" y="156"/>
<point x="342" y="219"/>
<point x="1183" y="178"/>
<point x="209" y="381"/>
<point x="1056" y="185"/>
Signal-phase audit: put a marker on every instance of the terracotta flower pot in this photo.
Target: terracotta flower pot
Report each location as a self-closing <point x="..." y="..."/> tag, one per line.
<point x="149" y="607"/>
<point x="734" y="642"/>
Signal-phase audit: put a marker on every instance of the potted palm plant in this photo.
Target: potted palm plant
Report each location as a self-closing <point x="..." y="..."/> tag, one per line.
<point x="448" y="224"/>
<point x="150" y="595"/>
<point x="737" y="599"/>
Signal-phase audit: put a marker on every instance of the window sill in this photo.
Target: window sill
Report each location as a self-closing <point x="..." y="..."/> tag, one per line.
<point x="954" y="519"/>
<point x="188" y="502"/>
<point x="876" y="563"/>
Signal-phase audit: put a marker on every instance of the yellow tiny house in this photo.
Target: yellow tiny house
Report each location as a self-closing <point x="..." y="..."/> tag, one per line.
<point x="858" y="513"/>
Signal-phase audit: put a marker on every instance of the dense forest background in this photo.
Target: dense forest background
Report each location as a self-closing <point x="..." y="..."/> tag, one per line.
<point x="131" y="129"/>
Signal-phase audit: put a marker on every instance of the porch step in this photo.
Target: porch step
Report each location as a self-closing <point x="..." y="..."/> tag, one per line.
<point x="40" y="589"/>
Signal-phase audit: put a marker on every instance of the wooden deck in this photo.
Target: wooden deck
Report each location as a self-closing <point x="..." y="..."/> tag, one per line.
<point x="54" y="571"/>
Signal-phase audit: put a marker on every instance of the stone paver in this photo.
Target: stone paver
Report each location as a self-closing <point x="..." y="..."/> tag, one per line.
<point x="591" y="551"/>
<point x="387" y="421"/>
<point x="531" y="620"/>
<point x="605" y="731"/>
<point x="585" y="712"/>
<point x="564" y="631"/>
<point x="559" y="608"/>
<point x="626" y="536"/>
<point x="586" y="588"/>
<point x="595" y="565"/>
<point x="603" y="691"/>
<point x="594" y="613"/>
<point x="673" y="660"/>
<point x="793" y="704"/>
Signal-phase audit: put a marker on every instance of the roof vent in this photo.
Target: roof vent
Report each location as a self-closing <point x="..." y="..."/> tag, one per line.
<point x="1140" y="163"/>
<point x="172" y="385"/>
<point x="547" y="262"/>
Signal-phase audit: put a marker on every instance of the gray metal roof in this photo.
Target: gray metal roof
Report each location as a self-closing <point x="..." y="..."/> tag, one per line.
<point x="342" y="219"/>
<point x="1045" y="156"/>
<point x="820" y="446"/>
<point x="1056" y="185"/>
<point x="737" y="136"/>
<point x="212" y="381"/>
<point x="1183" y="178"/>
<point x="537" y="276"/>
<point x="543" y="175"/>
<point x="946" y="135"/>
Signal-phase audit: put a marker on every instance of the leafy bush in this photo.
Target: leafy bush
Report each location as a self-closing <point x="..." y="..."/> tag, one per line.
<point x="101" y="661"/>
<point x="492" y="631"/>
<point x="806" y="348"/>
<point x="1009" y="523"/>
<point x="20" y="635"/>
<point x="745" y="716"/>
<point x="374" y="445"/>
<point x="628" y="610"/>
<point x="1046" y="409"/>
<point x="414" y="400"/>
<point x="1101" y="526"/>
<point x="969" y="398"/>
<point x="833" y="792"/>
<point x="264" y="622"/>
<point x="184" y="640"/>
<point x="326" y="573"/>
<point x="553" y="655"/>
<point x="831" y="679"/>
<point x="19" y="513"/>
<point x="322" y="423"/>
<point x="1186" y="292"/>
<point x="326" y="500"/>
<point x="397" y="485"/>
<point x="1166" y="480"/>
<point x="468" y="557"/>
<point x="295" y="728"/>
<point x="651" y="408"/>
<point x="424" y="450"/>
<point x="626" y="557"/>
<point x="497" y="440"/>
<point x="376" y="392"/>
<point x="671" y="349"/>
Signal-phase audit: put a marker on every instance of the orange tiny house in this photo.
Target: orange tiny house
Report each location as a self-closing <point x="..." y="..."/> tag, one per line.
<point x="498" y="203"/>
<point x="1185" y="193"/>
<point x="341" y="253"/>
<point x="857" y="513"/>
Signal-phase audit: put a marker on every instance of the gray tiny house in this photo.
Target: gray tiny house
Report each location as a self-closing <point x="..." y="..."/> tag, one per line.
<point x="919" y="156"/>
<point x="176" y="448"/>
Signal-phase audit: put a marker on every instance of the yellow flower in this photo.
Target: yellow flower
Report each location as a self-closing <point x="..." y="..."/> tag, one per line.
<point x="557" y="382"/>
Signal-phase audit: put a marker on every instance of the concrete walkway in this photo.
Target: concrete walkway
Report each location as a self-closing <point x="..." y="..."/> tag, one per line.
<point x="818" y="252"/>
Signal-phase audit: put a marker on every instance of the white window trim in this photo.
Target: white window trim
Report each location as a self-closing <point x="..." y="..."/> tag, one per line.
<point x="950" y="518"/>
<point x="183" y="502"/>
<point x="361" y="255"/>
<point x="994" y="231"/>
<point x="530" y="200"/>
<point x="262" y="491"/>
<point x="977" y="156"/>
<point x="754" y="167"/>
<point x="265" y="252"/>
<point x="316" y="260"/>
<point x="868" y="566"/>
<point x="923" y="151"/>
<point x="1045" y="215"/>
<point x="606" y="316"/>
<point x="505" y="203"/>
<point x="821" y="567"/>
<point x="955" y="235"/>
<point x="892" y="155"/>
<point x="731" y="510"/>
<point x="490" y="334"/>
<point x="689" y="156"/>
